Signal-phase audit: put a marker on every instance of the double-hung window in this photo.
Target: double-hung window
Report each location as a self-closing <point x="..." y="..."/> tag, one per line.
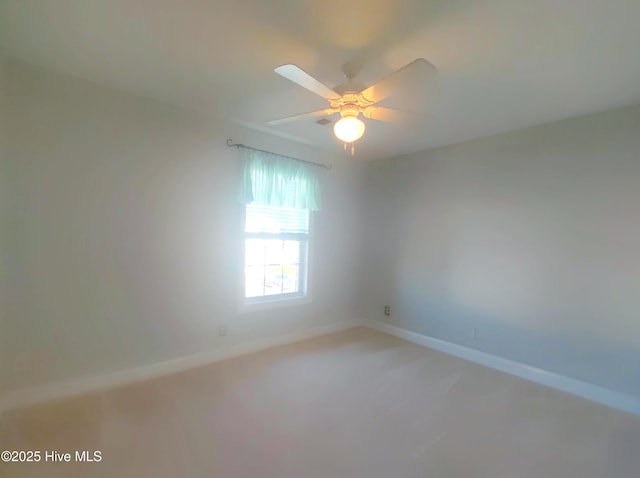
<point x="276" y="252"/>
<point x="279" y="194"/>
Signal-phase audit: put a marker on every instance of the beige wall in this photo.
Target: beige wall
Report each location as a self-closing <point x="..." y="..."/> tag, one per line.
<point x="129" y="232"/>
<point x="525" y="245"/>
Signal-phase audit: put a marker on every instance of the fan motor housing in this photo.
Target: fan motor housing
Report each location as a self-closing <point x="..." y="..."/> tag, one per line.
<point x="349" y="110"/>
<point x="350" y="100"/>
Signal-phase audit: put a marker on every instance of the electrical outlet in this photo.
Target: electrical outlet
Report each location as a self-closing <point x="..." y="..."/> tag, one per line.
<point x="222" y="330"/>
<point x="387" y="310"/>
<point x="474" y="333"/>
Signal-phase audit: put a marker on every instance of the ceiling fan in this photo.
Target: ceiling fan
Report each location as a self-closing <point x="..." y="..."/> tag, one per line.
<point x="351" y="100"/>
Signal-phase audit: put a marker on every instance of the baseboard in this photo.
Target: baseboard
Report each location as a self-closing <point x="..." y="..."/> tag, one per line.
<point x="78" y="386"/>
<point x="594" y="393"/>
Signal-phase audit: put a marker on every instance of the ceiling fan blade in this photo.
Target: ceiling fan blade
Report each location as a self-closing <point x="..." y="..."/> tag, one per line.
<point x="289" y="119"/>
<point x="415" y="72"/>
<point x="304" y="79"/>
<point x="380" y="113"/>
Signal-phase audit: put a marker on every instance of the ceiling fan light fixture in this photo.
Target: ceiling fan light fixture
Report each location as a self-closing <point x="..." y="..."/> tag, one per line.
<point x="349" y="129"/>
<point x="351" y="100"/>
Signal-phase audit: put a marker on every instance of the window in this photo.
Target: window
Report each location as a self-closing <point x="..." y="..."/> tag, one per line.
<point x="278" y="194"/>
<point x="276" y="251"/>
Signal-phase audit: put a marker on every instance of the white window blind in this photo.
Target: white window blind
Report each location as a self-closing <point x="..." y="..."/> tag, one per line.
<point x="276" y="220"/>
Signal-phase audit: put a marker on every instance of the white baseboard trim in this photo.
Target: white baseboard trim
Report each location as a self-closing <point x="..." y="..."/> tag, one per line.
<point x="78" y="386"/>
<point x="595" y="393"/>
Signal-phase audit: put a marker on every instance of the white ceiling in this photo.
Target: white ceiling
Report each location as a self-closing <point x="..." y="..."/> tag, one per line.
<point x="502" y="64"/>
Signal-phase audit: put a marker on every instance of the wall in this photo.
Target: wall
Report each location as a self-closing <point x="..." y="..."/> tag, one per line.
<point x="523" y="245"/>
<point x="4" y="226"/>
<point x="129" y="232"/>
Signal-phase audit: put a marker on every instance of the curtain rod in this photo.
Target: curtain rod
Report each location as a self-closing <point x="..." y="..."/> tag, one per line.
<point x="230" y="143"/>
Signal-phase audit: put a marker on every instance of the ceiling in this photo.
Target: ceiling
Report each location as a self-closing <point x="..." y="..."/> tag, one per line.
<point x="502" y="64"/>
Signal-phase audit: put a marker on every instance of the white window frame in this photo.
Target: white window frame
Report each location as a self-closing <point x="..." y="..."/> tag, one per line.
<point x="254" y="304"/>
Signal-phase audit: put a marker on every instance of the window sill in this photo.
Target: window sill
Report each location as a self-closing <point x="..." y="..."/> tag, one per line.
<point x="248" y="308"/>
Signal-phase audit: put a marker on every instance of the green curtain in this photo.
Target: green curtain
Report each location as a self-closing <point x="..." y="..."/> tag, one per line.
<point x="273" y="180"/>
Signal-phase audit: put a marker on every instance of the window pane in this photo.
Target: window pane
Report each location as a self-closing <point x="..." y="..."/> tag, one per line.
<point x="290" y="281"/>
<point x="254" y="281"/>
<point x="254" y="252"/>
<point x="273" y="280"/>
<point x="291" y="252"/>
<point x="274" y="252"/>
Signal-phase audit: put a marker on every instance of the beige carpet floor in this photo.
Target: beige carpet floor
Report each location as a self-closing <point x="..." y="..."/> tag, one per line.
<point x="354" y="404"/>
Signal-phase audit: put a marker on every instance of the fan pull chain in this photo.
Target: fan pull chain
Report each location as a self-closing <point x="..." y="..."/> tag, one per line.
<point x="353" y="147"/>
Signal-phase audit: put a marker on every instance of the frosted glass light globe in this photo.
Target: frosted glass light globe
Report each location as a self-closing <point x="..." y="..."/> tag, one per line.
<point x="349" y="129"/>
